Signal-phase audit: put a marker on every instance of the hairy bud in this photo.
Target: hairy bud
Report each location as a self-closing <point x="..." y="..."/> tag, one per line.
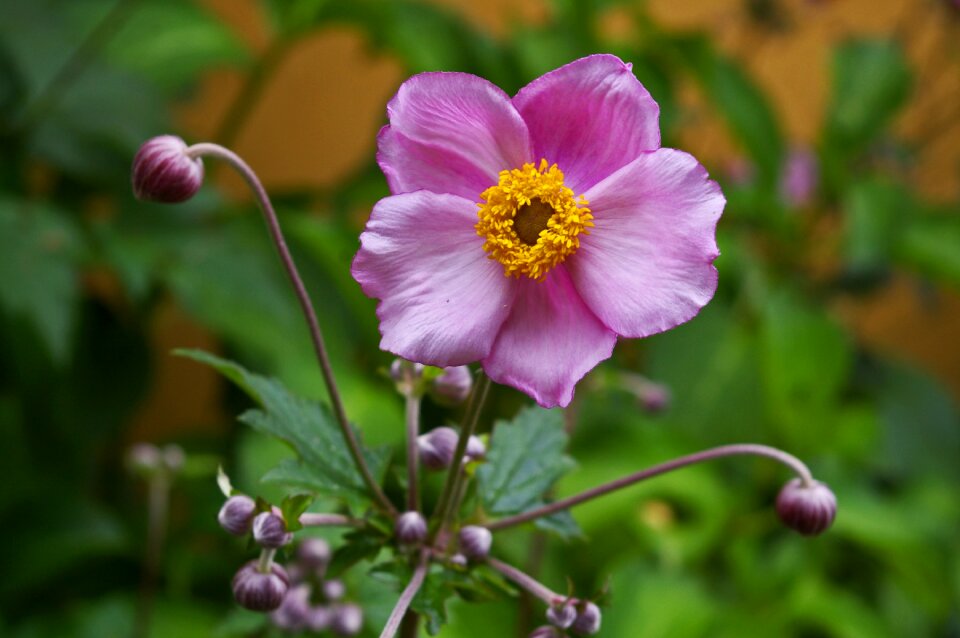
<point x="260" y="591"/>
<point x="411" y="528"/>
<point x="270" y="531"/>
<point x="163" y="172"/>
<point x="809" y="510"/>
<point x="452" y="387"/>
<point x="475" y="541"/>
<point x="562" y="615"/>
<point x="437" y="447"/>
<point x="236" y="515"/>
<point x="346" y="620"/>
<point x="588" y="620"/>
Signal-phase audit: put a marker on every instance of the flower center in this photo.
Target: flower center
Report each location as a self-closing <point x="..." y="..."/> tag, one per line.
<point x="531" y="221"/>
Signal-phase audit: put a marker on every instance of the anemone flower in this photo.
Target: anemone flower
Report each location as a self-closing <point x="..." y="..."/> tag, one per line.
<point x="529" y="233"/>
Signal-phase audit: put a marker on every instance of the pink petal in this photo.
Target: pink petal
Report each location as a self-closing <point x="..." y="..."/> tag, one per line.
<point x="647" y="265"/>
<point x="441" y="300"/>
<point x="549" y="342"/>
<point x="590" y="117"/>
<point x="450" y="133"/>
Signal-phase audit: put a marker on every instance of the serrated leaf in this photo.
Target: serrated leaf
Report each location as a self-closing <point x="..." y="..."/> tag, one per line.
<point x="326" y="465"/>
<point x="524" y="459"/>
<point x="292" y="507"/>
<point x="431" y="600"/>
<point x="359" y="546"/>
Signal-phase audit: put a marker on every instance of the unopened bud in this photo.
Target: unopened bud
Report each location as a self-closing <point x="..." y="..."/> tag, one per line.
<point x="236" y="515"/>
<point x="163" y="172"/>
<point x="314" y="553"/>
<point x="402" y="370"/>
<point x="476" y="449"/>
<point x="174" y="458"/>
<point x="319" y="618"/>
<point x="809" y="509"/>
<point x="334" y="589"/>
<point x="546" y="631"/>
<point x="293" y="612"/>
<point x="562" y="615"/>
<point x="452" y="387"/>
<point x="270" y="531"/>
<point x="144" y="458"/>
<point x="411" y="528"/>
<point x="588" y="620"/>
<point x="475" y="541"/>
<point x="260" y="591"/>
<point x="346" y="620"/>
<point x="459" y="560"/>
<point x="437" y="447"/>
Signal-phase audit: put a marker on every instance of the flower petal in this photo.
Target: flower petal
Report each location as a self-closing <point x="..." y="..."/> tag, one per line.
<point x="450" y="133"/>
<point x="647" y="265"/>
<point x="549" y="342"/>
<point x="590" y="117"/>
<point x="441" y="300"/>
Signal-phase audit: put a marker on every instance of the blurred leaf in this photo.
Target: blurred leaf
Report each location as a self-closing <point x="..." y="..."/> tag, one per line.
<point x="359" y="545"/>
<point x="307" y="426"/>
<point x="525" y="458"/>
<point x="871" y="81"/>
<point x="431" y="600"/>
<point x="561" y="524"/>
<point x="930" y="245"/>
<point x="656" y="605"/>
<point x="874" y="212"/>
<point x="38" y="255"/>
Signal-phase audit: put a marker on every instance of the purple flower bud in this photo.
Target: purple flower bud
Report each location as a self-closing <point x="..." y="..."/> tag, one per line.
<point x="458" y="560"/>
<point x="144" y="457"/>
<point x="293" y="612"/>
<point x="260" y="591"/>
<point x="588" y="620"/>
<point x="437" y="447"/>
<point x="475" y="541"/>
<point x="319" y="618"/>
<point x="411" y="528"/>
<point x="476" y="450"/>
<point x="809" y="510"/>
<point x="800" y="178"/>
<point x="562" y="615"/>
<point x="452" y="387"/>
<point x="163" y="172"/>
<point x="236" y="515"/>
<point x="400" y="368"/>
<point x="314" y="553"/>
<point x="173" y="458"/>
<point x="346" y="620"/>
<point x="334" y="589"/>
<point x="270" y="531"/>
<point x="546" y="631"/>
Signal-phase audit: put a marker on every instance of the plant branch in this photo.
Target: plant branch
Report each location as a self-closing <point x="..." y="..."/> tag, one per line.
<point x="270" y="216"/>
<point x="527" y="582"/>
<point x="714" y="453"/>
<point x="413" y="430"/>
<point x="328" y="520"/>
<point x="396" y="616"/>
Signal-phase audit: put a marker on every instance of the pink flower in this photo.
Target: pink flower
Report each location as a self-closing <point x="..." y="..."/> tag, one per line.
<point x="529" y="233"/>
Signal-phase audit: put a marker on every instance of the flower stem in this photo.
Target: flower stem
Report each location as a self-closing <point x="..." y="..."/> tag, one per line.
<point x="396" y="616"/>
<point x="413" y="430"/>
<point x="215" y="150"/>
<point x="714" y="453"/>
<point x="266" y="560"/>
<point x="527" y="582"/>
<point x="328" y="520"/>
<point x="448" y="494"/>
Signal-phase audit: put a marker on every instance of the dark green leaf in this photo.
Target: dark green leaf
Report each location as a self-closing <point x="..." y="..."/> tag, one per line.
<point x="561" y="524"/>
<point x="524" y="460"/>
<point x="292" y="507"/>
<point x="359" y="546"/>
<point x="874" y="213"/>
<point x="930" y="245"/>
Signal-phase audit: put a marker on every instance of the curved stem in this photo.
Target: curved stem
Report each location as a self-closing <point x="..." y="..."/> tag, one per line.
<point x="396" y="616"/>
<point x="266" y="560"/>
<point x="448" y="494"/>
<point x="707" y="455"/>
<point x="527" y="582"/>
<point x="413" y="430"/>
<point x="328" y="520"/>
<point x="215" y="150"/>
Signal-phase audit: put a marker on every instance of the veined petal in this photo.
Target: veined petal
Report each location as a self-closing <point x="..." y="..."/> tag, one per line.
<point x="549" y="341"/>
<point x="590" y="117"/>
<point x="451" y="133"/>
<point x="647" y="265"/>
<point x="441" y="300"/>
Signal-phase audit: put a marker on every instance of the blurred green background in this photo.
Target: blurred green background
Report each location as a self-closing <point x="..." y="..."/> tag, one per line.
<point x="833" y="128"/>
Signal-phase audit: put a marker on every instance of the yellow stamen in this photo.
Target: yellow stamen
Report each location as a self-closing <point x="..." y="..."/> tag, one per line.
<point x="531" y="221"/>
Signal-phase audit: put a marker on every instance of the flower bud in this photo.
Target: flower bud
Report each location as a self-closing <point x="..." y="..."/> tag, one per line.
<point x="260" y="591"/>
<point x="144" y="458"/>
<point x="174" y="458"/>
<point x="562" y="615"/>
<point x="334" y="589"/>
<point x="293" y="612"/>
<point x="402" y="371"/>
<point x="458" y="560"/>
<point x="809" y="510"/>
<point x="476" y="449"/>
<point x="437" y="447"/>
<point x="411" y="528"/>
<point x="314" y="553"/>
<point x="588" y="620"/>
<point x="270" y="531"/>
<point x="452" y="387"/>
<point x="236" y="515"/>
<point x="346" y="620"/>
<point x="319" y="618"/>
<point x="546" y="631"/>
<point x="475" y="541"/>
<point x="163" y="172"/>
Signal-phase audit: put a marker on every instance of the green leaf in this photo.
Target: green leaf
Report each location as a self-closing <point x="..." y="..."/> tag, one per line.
<point x="360" y="545"/>
<point x="930" y="245"/>
<point x="305" y="425"/>
<point x="292" y="507"/>
<point x="38" y="251"/>
<point x="560" y="524"/>
<point x="874" y="212"/>
<point x="524" y="460"/>
<point x="871" y="81"/>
